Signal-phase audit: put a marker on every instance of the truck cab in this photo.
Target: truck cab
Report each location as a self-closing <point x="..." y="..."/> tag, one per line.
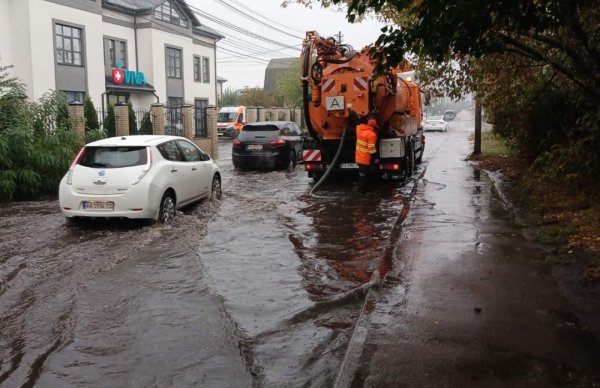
<point x="231" y="116"/>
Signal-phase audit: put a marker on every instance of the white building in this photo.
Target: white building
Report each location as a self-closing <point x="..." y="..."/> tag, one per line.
<point x="143" y="51"/>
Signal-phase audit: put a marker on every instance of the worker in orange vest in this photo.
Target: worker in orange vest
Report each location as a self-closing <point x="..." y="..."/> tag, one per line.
<point x="365" y="155"/>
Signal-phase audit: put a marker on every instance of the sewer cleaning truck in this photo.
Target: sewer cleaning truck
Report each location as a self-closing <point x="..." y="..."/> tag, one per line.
<point x="339" y="89"/>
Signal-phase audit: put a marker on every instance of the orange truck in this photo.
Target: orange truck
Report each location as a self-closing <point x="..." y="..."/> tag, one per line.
<point x="339" y="89"/>
<point x="230" y="117"/>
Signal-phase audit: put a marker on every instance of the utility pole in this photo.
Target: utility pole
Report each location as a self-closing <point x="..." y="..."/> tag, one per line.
<point x="477" y="141"/>
<point x="340" y="37"/>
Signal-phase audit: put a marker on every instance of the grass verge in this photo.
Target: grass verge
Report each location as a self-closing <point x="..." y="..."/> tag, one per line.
<point x="565" y="215"/>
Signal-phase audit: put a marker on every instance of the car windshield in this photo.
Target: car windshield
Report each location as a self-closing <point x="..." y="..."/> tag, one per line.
<point x="113" y="157"/>
<point x="435" y="118"/>
<point x="226" y="117"/>
<point x="261" y="128"/>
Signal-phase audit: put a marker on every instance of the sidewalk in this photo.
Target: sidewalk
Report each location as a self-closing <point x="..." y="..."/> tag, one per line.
<point x="465" y="304"/>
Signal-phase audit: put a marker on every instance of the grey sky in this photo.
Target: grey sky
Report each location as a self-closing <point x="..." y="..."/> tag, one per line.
<point x="242" y="58"/>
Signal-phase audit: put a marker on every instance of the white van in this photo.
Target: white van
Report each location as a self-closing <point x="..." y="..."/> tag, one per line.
<point x="231" y="116"/>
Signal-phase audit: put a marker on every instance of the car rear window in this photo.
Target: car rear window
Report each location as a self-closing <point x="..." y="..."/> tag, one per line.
<point x="260" y="128"/>
<point x="113" y="157"/>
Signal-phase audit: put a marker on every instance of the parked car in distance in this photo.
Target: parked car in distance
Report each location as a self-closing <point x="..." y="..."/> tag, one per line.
<point x="449" y="115"/>
<point x="141" y="176"/>
<point x="435" y="123"/>
<point x="268" y="144"/>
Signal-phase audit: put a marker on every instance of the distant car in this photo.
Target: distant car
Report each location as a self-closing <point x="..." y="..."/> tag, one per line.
<point x="435" y="123"/>
<point x="268" y="144"/>
<point x="449" y="115"/>
<point x="142" y="176"/>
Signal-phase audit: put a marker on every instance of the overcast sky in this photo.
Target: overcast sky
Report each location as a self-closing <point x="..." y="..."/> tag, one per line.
<point x="242" y="57"/>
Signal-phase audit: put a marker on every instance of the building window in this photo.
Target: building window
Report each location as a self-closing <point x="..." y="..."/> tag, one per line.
<point x="116" y="52"/>
<point x="197" y="71"/>
<point x="173" y="62"/>
<point x="69" y="50"/>
<point x="168" y="13"/>
<point x="200" y="106"/>
<point x="174" y="116"/>
<point x="116" y="98"/>
<point x="205" y="70"/>
<point x="74" y="96"/>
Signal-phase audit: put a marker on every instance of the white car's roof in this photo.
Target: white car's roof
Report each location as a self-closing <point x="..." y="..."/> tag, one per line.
<point x="132" y="140"/>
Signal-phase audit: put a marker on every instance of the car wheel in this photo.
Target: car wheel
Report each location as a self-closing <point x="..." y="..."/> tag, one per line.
<point x="216" y="191"/>
<point x="166" y="212"/>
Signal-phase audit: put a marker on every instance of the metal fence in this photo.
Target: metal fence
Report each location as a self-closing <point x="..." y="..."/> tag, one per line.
<point x="142" y="125"/>
<point x="143" y="118"/>
<point x="200" y="119"/>
<point x="174" y="120"/>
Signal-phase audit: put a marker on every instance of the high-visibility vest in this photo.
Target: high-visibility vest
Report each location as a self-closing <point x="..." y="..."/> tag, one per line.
<point x="365" y="144"/>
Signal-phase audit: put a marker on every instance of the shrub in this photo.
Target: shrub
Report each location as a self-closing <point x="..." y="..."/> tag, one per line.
<point x="146" y="125"/>
<point x="109" y="121"/>
<point x="37" y="143"/>
<point x="132" y="119"/>
<point x="91" y="116"/>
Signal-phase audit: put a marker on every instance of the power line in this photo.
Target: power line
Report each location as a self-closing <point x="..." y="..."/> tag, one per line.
<point x="247" y="16"/>
<point x="232" y="26"/>
<point x="264" y="17"/>
<point x="245" y="55"/>
<point x="263" y="52"/>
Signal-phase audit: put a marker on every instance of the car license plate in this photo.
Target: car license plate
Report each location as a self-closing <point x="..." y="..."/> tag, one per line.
<point x="348" y="165"/>
<point x="254" y="147"/>
<point x="97" y="205"/>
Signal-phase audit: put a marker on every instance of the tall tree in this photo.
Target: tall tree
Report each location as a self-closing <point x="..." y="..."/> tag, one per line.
<point x="91" y="116"/>
<point x="560" y="34"/>
<point x="229" y="98"/>
<point x="289" y="88"/>
<point x="256" y="97"/>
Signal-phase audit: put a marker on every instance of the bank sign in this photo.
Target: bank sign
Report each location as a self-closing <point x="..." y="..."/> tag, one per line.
<point x="122" y="76"/>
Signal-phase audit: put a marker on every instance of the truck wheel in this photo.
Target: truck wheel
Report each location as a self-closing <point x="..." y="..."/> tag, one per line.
<point x="419" y="160"/>
<point x="410" y="160"/>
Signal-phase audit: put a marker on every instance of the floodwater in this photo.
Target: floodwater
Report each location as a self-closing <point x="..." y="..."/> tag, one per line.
<point x="251" y="290"/>
<point x="262" y="288"/>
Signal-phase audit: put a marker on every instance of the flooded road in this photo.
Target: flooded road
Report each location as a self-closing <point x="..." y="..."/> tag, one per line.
<point x="261" y="288"/>
<point x="238" y="292"/>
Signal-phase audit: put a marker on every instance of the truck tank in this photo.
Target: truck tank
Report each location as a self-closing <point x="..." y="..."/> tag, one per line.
<point x="339" y="89"/>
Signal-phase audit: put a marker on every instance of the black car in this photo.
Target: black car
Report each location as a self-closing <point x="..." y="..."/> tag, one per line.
<point x="268" y="144"/>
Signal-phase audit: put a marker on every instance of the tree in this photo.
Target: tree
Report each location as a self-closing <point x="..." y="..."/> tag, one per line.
<point x="133" y="130"/>
<point x="229" y="98"/>
<point x="256" y="97"/>
<point x="146" y="125"/>
<point x="37" y="144"/>
<point x="556" y="33"/>
<point x="289" y="88"/>
<point x="109" y="121"/>
<point x="91" y="116"/>
<point x="533" y="65"/>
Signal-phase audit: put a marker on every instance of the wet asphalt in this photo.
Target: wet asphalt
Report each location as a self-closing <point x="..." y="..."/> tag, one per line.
<point x="263" y="288"/>
<point x="468" y="302"/>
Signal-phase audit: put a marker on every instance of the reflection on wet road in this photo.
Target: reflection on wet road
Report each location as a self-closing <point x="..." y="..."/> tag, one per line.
<point x="228" y="294"/>
<point x="234" y="293"/>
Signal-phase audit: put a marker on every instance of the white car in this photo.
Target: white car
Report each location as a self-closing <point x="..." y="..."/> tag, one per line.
<point x="143" y="176"/>
<point x="435" y="123"/>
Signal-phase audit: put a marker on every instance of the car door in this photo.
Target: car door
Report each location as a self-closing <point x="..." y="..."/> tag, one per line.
<point x="197" y="164"/>
<point x="173" y="172"/>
